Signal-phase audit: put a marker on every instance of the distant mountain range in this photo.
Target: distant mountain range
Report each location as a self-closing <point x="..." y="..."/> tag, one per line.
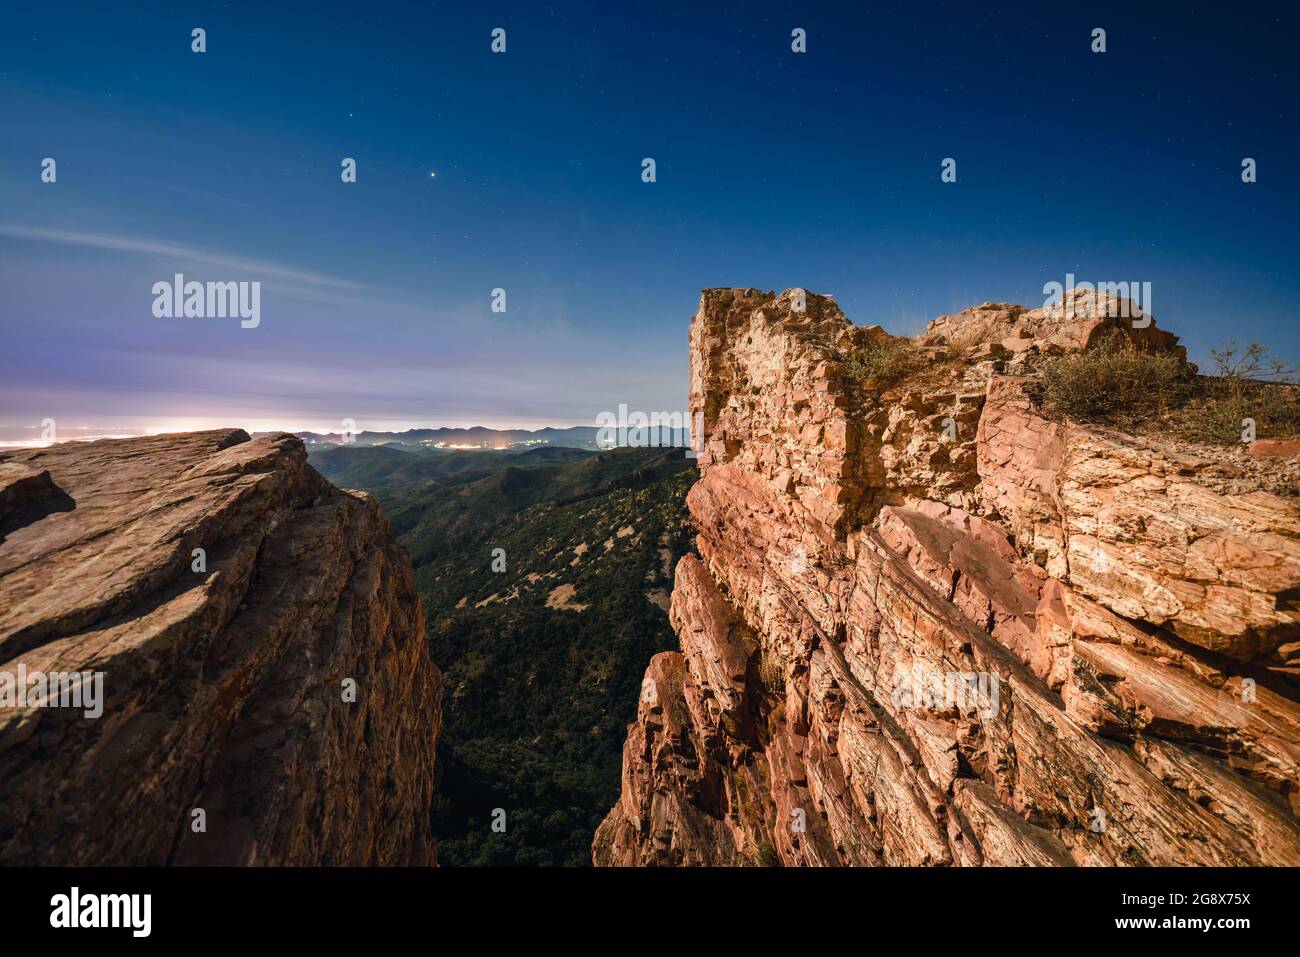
<point x="436" y="441"/>
<point x="575" y="437"/>
<point x="395" y="470"/>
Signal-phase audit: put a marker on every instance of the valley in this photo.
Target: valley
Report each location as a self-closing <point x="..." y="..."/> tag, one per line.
<point x="545" y="577"/>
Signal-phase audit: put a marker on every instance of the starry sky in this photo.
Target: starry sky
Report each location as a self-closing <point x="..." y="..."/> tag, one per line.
<point x="522" y="171"/>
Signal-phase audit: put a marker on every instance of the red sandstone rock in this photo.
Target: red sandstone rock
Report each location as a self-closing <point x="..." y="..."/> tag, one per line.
<point x="223" y="688"/>
<point x="1132" y="606"/>
<point x="1275" y="448"/>
<point x="1078" y="321"/>
<point x="1142" y="528"/>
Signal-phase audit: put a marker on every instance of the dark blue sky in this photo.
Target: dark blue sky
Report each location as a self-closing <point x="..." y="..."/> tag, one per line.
<point x="775" y="169"/>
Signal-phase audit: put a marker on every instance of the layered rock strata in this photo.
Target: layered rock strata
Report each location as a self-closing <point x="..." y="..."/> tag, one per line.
<point x="267" y="696"/>
<point x="929" y="626"/>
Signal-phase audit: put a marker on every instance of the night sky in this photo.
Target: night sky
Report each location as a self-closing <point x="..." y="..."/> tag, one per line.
<point x="774" y="169"/>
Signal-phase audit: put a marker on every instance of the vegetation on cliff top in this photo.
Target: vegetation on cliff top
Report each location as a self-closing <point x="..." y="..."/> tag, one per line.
<point x="1248" y="394"/>
<point x="880" y="365"/>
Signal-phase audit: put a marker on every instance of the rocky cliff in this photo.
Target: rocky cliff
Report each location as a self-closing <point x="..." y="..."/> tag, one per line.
<point x="267" y="695"/>
<point x="931" y="626"/>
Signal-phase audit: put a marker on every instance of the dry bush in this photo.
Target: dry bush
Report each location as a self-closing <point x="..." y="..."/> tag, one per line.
<point x="1112" y="383"/>
<point x="883" y="363"/>
<point x="771" y="672"/>
<point x="1246" y="385"/>
<point x="1120" y="385"/>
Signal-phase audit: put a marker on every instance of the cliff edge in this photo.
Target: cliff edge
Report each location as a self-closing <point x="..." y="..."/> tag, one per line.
<point x="250" y="638"/>
<point x="929" y="625"/>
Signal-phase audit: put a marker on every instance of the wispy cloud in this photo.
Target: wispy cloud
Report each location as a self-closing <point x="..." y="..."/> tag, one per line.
<point x="171" y="250"/>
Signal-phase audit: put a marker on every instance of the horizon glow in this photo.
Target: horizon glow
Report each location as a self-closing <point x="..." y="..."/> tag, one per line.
<point x="774" y="170"/>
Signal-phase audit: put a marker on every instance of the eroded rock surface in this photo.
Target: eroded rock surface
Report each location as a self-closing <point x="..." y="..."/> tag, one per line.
<point x="223" y="688"/>
<point x="929" y="626"/>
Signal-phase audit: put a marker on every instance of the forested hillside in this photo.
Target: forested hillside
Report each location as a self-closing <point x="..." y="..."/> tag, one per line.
<point x="545" y="576"/>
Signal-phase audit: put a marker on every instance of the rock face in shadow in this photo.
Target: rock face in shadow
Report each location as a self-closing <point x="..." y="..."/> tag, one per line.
<point x="225" y="736"/>
<point x="928" y="626"/>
